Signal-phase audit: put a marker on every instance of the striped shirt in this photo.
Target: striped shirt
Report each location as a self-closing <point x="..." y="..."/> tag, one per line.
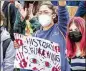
<point x="78" y="64"/>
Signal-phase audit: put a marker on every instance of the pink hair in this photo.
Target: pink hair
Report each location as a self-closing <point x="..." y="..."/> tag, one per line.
<point x="71" y="48"/>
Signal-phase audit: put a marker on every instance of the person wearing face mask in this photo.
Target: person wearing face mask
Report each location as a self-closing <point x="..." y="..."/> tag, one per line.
<point x="53" y="31"/>
<point x="76" y="44"/>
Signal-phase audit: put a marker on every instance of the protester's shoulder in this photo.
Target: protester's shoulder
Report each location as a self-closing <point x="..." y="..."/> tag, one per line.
<point x="5" y="34"/>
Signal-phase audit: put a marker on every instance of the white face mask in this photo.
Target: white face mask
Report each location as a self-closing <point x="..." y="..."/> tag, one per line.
<point x="44" y="20"/>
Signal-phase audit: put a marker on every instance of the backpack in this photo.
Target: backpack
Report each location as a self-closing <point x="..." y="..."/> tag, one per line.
<point x="5" y="46"/>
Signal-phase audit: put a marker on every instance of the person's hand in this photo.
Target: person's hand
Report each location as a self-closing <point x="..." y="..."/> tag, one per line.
<point x="21" y="10"/>
<point x="16" y="45"/>
<point x="62" y="2"/>
<point x="23" y="13"/>
<point x="30" y="11"/>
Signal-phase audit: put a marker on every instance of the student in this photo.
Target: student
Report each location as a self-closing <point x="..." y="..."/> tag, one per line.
<point x="7" y="49"/>
<point x="53" y="31"/>
<point x="76" y="44"/>
<point x="25" y="23"/>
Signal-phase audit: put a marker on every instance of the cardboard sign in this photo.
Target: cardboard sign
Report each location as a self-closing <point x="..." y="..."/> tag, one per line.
<point x="37" y="54"/>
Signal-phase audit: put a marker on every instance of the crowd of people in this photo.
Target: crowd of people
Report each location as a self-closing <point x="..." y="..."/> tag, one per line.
<point x="48" y="20"/>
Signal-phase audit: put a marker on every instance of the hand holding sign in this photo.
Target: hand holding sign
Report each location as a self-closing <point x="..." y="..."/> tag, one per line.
<point x="37" y="54"/>
<point x="17" y="42"/>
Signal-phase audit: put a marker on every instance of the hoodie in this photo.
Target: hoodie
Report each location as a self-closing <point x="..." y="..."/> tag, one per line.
<point x="7" y="64"/>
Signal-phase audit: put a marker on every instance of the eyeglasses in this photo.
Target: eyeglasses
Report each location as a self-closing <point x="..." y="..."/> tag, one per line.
<point x="44" y="12"/>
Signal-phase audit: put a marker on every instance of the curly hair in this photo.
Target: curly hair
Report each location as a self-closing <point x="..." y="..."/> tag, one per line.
<point x="51" y="6"/>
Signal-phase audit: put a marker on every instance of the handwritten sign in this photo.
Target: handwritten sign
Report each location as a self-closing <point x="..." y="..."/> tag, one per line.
<point x="37" y="54"/>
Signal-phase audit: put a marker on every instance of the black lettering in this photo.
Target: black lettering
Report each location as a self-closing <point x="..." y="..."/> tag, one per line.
<point x="44" y="44"/>
<point x="39" y="41"/>
<point x="49" y="46"/>
<point x="31" y="49"/>
<point x="39" y="50"/>
<point x="24" y="48"/>
<point x="57" y="58"/>
<point x="43" y="52"/>
<point x="31" y="41"/>
<point x="48" y="54"/>
<point x="35" y="43"/>
<point x="35" y="51"/>
<point x="27" y="41"/>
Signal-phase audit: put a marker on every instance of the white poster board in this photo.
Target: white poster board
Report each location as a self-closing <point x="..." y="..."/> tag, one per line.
<point x="37" y="54"/>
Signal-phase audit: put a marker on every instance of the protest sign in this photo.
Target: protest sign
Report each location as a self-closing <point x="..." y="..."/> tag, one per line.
<point x="37" y="54"/>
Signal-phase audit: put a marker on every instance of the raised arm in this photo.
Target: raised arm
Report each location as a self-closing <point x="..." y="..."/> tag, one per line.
<point x="63" y="17"/>
<point x="81" y="11"/>
<point x="21" y="10"/>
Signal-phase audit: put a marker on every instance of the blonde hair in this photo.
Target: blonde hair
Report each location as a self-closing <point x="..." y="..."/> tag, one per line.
<point x="2" y="17"/>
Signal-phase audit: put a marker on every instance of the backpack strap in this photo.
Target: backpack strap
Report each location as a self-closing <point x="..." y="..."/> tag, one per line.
<point x="9" y="25"/>
<point x="5" y="46"/>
